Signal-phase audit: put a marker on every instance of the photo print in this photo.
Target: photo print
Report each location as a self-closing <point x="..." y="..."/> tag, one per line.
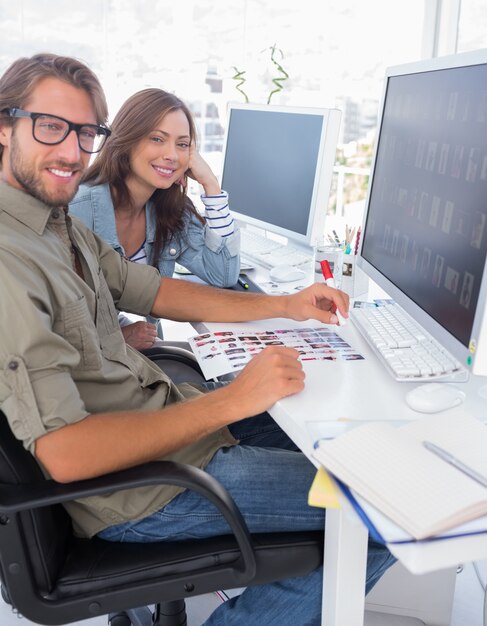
<point x="452" y="278"/>
<point x="443" y="160"/>
<point x="425" y="262"/>
<point x="414" y="254"/>
<point x="466" y="290"/>
<point x="447" y="216"/>
<point x="431" y="156"/>
<point x="412" y="201"/>
<point x="478" y="230"/>
<point x="438" y="269"/>
<point x="435" y="211"/>
<point x="458" y="155"/>
<point x="472" y="165"/>
<point x="226" y="351"/>
<point x="483" y="171"/>
<point x="423" y="207"/>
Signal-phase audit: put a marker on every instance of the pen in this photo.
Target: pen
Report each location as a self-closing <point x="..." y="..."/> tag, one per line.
<point x="449" y="458"/>
<point x="330" y="281"/>
<point x="357" y="240"/>
<point x="242" y="283"/>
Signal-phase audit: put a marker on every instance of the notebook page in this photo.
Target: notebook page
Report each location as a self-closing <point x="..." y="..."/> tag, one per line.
<point x="393" y="471"/>
<point x="462" y="435"/>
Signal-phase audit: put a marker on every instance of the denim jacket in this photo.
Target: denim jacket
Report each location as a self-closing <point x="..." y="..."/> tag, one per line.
<point x="212" y="258"/>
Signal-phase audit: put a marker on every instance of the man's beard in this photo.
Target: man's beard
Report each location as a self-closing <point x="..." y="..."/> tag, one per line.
<point x="25" y="175"/>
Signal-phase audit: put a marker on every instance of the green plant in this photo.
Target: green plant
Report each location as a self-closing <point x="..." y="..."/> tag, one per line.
<point x="278" y="81"/>
<point x="240" y="76"/>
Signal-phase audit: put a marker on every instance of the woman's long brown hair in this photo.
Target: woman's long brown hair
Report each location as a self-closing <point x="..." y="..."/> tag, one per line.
<point x="137" y="117"/>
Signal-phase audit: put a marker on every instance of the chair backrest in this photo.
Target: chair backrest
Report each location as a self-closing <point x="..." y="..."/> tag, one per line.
<point x="47" y="531"/>
<point x="177" y="361"/>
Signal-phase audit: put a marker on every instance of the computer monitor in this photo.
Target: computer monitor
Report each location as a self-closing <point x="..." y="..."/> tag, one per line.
<point x="425" y="228"/>
<point x="277" y="168"/>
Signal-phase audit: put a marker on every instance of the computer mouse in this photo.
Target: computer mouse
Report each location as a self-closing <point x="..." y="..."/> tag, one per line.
<point x="285" y="273"/>
<point x="434" y="397"/>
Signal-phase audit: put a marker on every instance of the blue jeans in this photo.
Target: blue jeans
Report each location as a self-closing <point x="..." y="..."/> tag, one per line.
<point x="269" y="481"/>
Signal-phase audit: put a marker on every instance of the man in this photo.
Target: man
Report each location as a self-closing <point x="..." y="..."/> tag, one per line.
<point x="86" y="404"/>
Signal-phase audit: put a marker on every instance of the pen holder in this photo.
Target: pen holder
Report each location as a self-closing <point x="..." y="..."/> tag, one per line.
<point x="334" y="256"/>
<point x="355" y="281"/>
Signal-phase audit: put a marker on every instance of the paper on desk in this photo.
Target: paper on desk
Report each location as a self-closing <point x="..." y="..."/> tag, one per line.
<point x="226" y="351"/>
<point x="323" y="492"/>
<point x="280" y="289"/>
<point x="329" y="429"/>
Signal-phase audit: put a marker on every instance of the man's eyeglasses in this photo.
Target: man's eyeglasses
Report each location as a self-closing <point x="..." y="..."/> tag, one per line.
<point x="51" y="130"/>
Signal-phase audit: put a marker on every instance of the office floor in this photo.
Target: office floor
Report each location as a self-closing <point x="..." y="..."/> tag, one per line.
<point x="467" y="608"/>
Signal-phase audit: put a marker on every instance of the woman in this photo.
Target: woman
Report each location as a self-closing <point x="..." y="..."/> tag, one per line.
<point x="134" y="197"/>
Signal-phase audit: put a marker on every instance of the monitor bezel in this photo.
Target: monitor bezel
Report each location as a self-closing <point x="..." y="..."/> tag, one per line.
<point x="466" y="355"/>
<point x="322" y="175"/>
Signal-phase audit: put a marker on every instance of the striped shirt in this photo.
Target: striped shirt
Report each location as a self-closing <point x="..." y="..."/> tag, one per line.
<point x="217" y="214"/>
<point x="139" y="256"/>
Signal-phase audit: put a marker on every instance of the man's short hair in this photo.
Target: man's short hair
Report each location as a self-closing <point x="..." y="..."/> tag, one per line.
<point x="21" y="78"/>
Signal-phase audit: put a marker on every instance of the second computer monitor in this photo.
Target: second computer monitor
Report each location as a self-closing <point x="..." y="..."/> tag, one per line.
<point x="278" y="164"/>
<point x="425" y="235"/>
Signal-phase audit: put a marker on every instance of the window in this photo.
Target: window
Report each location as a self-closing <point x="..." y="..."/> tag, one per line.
<point x="334" y="54"/>
<point x="472" y="25"/>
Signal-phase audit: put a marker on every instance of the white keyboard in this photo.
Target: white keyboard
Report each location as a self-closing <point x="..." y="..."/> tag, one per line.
<point x="258" y="249"/>
<point x="407" y="350"/>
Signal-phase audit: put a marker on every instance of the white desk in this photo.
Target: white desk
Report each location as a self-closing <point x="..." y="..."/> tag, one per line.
<point x="359" y="390"/>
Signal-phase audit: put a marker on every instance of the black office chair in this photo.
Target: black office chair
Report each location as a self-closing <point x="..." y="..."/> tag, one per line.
<point x="52" y="577"/>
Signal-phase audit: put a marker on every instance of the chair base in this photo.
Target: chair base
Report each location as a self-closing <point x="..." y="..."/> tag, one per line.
<point x="165" y="614"/>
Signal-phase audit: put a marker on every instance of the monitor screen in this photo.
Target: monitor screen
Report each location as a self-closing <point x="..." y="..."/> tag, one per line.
<point x="425" y="231"/>
<point x="278" y="166"/>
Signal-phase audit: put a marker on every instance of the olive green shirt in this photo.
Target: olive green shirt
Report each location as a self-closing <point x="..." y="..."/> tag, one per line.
<point x="62" y="354"/>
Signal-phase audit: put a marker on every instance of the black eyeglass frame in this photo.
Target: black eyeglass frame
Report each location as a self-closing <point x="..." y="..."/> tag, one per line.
<point x="103" y="131"/>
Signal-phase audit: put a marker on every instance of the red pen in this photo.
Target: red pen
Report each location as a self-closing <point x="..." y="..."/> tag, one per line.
<point x="357" y="241"/>
<point x="330" y="281"/>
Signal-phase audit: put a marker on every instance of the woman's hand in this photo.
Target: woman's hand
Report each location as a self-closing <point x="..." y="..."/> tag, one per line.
<point x="139" y="335"/>
<point x="200" y="171"/>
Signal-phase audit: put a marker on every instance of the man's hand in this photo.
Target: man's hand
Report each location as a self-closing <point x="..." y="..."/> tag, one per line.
<point x="317" y="302"/>
<point x="140" y="335"/>
<point x="271" y="375"/>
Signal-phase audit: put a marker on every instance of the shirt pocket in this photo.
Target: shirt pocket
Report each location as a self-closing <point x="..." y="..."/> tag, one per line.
<point x="75" y="324"/>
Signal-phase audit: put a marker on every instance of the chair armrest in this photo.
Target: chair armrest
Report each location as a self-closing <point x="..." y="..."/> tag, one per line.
<point x="173" y="353"/>
<point x="22" y="497"/>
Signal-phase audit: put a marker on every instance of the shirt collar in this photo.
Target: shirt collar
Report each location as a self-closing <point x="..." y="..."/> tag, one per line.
<point x="103" y="213"/>
<point x="25" y="208"/>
